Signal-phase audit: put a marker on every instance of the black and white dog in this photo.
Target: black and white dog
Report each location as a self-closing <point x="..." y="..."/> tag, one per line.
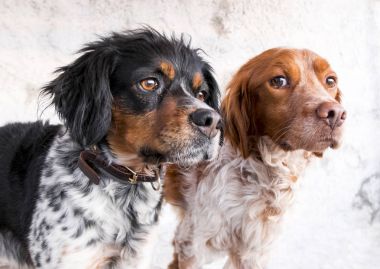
<point x="86" y="194"/>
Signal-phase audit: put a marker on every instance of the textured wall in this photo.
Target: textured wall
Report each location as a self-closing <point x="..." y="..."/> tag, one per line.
<point x="335" y="222"/>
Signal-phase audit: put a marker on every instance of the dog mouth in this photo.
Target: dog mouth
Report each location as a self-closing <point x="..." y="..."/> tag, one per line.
<point x="318" y="145"/>
<point x="193" y="153"/>
<point x="329" y="142"/>
<point x="186" y="158"/>
<point x="323" y="144"/>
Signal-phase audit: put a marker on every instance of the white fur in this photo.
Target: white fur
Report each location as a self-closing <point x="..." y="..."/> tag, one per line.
<point x="237" y="206"/>
<point x="108" y="212"/>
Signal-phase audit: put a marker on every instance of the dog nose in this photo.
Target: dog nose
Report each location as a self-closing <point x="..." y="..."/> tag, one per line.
<point x="207" y="120"/>
<point x="332" y="113"/>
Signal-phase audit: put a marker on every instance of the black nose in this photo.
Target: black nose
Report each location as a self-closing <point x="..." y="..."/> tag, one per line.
<point x="207" y="120"/>
<point x="332" y="113"/>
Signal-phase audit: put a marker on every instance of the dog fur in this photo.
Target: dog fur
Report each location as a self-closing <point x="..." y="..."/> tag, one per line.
<point x="143" y="100"/>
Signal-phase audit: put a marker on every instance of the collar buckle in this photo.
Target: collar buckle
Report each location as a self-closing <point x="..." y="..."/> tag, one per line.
<point x="133" y="179"/>
<point x="157" y="186"/>
<point x="91" y="159"/>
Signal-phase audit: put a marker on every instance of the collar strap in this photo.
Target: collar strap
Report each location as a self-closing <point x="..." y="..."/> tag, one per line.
<point x="89" y="159"/>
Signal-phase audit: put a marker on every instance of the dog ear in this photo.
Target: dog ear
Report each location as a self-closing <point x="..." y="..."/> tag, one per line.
<point x="237" y="109"/>
<point x="81" y="93"/>
<point x="214" y="92"/>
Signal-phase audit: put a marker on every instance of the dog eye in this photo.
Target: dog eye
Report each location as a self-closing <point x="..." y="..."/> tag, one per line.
<point x="279" y="82"/>
<point x="201" y="95"/>
<point x="331" y="81"/>
<point x="149" y="84"/>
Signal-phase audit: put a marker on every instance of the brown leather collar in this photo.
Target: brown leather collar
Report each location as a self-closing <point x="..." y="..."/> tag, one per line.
<point x="90" y="158"/>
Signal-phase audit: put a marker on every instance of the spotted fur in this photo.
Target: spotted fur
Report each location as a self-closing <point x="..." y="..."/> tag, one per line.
<point x="118" y="98"/>
<point x="107" y="220"/>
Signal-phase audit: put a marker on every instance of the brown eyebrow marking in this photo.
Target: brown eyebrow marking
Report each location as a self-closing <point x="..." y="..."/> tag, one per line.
<point x="197" y="80"/>
<point x="320" y="65"/>
<point x="168" y="69"/>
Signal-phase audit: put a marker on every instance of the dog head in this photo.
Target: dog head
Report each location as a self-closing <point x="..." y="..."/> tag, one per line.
<point x="290" y="95"/>
<point x="144" y="94"/>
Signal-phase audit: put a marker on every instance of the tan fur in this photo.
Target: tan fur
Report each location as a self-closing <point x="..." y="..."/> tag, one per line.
<point x="162" y="129"/>
<point x="197" y="80"/>
<point x="105" y="258"/>
<point x="168" y="69"/>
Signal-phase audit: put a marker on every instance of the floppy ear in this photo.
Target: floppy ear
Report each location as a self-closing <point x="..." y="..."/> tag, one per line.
<point x="238" y="113"/>
<point x="81" y="93"/>
<point x="214" y="93"/>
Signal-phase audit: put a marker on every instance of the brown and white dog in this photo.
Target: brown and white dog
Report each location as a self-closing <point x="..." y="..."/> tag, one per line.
<point x="281" y="109"/>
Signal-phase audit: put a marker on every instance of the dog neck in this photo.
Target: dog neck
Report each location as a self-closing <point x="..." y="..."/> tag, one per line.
<point x="272" y="163"/>
<point x="107" y="166"/>
<point x="280" y="162"/>
<point x="127" y="170"/>
<point x="130" y="160"/>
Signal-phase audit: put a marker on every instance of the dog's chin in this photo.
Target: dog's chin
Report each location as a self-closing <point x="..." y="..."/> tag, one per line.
<point x="198" y="151"/>
<point x="192" y="157"/>
<point x="183" y="158"/>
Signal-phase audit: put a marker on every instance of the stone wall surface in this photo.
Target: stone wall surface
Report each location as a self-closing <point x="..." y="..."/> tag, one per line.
<point x="335" y="220"/>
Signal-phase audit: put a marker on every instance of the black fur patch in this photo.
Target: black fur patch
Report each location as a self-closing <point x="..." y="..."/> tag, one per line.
<point x="84" y="91"/>
<point x="83" y="94"/>
<point x="23" y="149"/>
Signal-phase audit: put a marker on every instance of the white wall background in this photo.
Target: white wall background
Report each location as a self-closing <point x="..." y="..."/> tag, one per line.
<point x="335" y="221"/>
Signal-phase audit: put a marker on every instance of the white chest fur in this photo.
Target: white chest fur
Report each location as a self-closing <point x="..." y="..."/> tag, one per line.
<point x="238" y="204"/>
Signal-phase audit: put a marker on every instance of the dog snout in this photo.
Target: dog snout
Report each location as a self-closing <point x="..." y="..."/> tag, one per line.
<point x="332" y="113"/>
<point x="208" y="121"/>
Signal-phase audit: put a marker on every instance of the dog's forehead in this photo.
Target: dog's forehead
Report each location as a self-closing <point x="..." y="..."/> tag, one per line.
<point x="173" y="68"/>
<point x="321" y="65"/>
<point x="314" y="62"/>
<point x="301" y="63"/>
<point x="300" y="57"/>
